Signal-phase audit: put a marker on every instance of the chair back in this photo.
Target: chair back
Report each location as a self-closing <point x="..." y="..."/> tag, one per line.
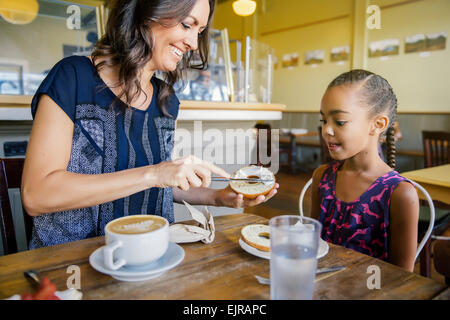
<point x="432" y="218"/>
<point x="266" y="129"/>
<point x="11" y="177"/>
<point x="436" y="148"/>
<point x="416" y="185"/>
<point x="302" y="195"/>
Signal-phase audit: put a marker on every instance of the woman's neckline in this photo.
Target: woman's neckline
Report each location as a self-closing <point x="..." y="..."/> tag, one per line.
<point x="108" y="89"/>
<point x="362" y="194"/>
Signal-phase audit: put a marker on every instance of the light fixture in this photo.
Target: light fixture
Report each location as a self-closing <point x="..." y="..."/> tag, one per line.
<point x="19" y="11"/>
<point x="244" y="7"/>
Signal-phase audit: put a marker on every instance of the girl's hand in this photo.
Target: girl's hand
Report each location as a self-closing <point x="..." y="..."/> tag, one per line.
<point x="184" y="173"/>
<point x="228" y="198"/>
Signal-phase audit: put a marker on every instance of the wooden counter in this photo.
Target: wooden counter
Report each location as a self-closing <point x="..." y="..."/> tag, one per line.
<point x="14" y="107"/>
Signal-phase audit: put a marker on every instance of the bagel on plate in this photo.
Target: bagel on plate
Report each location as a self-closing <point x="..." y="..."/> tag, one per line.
<point x="252" y="190"/>
<point x="257" y="236"/>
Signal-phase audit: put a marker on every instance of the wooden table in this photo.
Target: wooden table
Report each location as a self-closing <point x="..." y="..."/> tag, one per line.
<point x="436" y="180"/>
<point x="220" y="270"/>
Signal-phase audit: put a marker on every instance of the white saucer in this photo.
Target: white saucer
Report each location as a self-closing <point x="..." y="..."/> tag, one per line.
<point x="173" y="256"/>
<point x="321" y="252"/>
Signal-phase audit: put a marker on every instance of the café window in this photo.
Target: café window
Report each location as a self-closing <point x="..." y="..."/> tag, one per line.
<point x="36" y="34"/>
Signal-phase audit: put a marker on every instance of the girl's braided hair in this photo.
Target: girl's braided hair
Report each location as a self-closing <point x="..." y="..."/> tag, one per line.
<point x="378" y="95"/>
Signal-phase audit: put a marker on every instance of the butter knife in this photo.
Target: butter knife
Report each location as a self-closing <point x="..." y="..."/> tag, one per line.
<point x="241" y="179"/>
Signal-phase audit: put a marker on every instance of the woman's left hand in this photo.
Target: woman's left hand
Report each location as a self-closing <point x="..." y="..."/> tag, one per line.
<point x="228" y="198"/>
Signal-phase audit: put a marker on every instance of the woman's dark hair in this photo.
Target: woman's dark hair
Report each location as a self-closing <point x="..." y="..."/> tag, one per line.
<point x="378" y="95"/>
<point x="128" y="43"/>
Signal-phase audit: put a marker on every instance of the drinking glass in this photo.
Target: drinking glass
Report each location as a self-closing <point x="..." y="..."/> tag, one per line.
<point x="294" y="241"/>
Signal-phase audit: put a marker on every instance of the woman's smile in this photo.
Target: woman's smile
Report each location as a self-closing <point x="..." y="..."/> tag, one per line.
<point x="177" y="52"/>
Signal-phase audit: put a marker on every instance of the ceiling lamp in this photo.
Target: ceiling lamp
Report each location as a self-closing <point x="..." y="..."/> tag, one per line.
<point x="244" y="7"/>
<point x="19" y="12"/>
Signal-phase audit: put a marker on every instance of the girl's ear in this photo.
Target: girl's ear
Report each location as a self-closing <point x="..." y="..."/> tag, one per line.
<point x="380" y="124"/>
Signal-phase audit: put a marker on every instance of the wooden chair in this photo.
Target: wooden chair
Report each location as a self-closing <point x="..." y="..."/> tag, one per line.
<point x="11" y="177"/>
<point x="267" y="129"/>
<point x="425" y="238"/>
<point x="286" y="150"/>
<point x="441" y="257"/>
<point x="436" y="147"/>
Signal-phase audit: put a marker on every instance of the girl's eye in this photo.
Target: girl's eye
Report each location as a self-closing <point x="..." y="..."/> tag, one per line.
<point x="323" y="121"/>
<point x="340" y="123"/>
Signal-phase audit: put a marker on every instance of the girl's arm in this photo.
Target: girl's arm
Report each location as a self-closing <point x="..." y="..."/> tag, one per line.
<point x="48" y="187"/>
<point x="404" y="217"/>
<point x="315" y="201"/>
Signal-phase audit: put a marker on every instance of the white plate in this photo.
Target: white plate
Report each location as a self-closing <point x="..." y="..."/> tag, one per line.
<point x="173" y="256"/>
<point x="321" y="252"/>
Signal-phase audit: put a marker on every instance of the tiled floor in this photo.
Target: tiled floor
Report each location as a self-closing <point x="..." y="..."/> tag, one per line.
<point x="286" y="201"/>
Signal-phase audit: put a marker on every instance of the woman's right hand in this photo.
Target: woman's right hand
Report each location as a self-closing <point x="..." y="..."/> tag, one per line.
<point x="184" y="173"/>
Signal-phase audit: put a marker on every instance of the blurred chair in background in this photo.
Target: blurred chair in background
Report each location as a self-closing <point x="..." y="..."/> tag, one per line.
<point x="441" y="257"/>
<point x="11" y="177"/>
<point x="436" y="148"/>
<point x="286" y="150"/>
<point x="263" y="128"/>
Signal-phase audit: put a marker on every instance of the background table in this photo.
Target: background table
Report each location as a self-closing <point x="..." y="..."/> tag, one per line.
<point x="436" y="180"/>
<point x="220" y="270"/>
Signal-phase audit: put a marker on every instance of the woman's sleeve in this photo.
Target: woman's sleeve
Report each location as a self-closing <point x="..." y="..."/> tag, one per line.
<point x="61" y="86"/>
<point x="174" y="106"/>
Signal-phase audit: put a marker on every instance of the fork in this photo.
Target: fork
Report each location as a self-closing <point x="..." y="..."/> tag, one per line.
<point x="263" y="280"/>
<point x="33" y="276"/>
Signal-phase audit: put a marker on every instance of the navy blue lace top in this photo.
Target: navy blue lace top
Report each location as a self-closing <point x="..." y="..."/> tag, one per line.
<point x="105" y="139"/>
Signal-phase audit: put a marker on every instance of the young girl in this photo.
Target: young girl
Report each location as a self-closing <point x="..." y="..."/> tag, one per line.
<point x="361" y="201"/>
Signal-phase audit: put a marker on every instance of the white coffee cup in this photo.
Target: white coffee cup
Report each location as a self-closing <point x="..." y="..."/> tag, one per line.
<point x="135" y="240"/>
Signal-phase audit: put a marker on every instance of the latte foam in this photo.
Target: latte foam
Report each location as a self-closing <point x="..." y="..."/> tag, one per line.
<point x="135" y="225"/>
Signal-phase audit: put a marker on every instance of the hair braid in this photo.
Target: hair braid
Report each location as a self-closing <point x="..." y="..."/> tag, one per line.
<point x="390" y="141"/>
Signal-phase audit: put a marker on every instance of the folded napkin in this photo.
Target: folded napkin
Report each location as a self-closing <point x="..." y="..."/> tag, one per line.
<point x="205" y="231"/>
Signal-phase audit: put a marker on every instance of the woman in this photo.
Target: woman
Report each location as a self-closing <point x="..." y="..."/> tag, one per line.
<point x="103" y="129"/>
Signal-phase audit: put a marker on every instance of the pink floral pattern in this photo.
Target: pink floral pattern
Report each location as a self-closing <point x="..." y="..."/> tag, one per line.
<point x="363" y="224"/>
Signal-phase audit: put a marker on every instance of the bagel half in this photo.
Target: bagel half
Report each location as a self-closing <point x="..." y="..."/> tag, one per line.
<point x="257" y="236"/>
<point x="252" y="190"/>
